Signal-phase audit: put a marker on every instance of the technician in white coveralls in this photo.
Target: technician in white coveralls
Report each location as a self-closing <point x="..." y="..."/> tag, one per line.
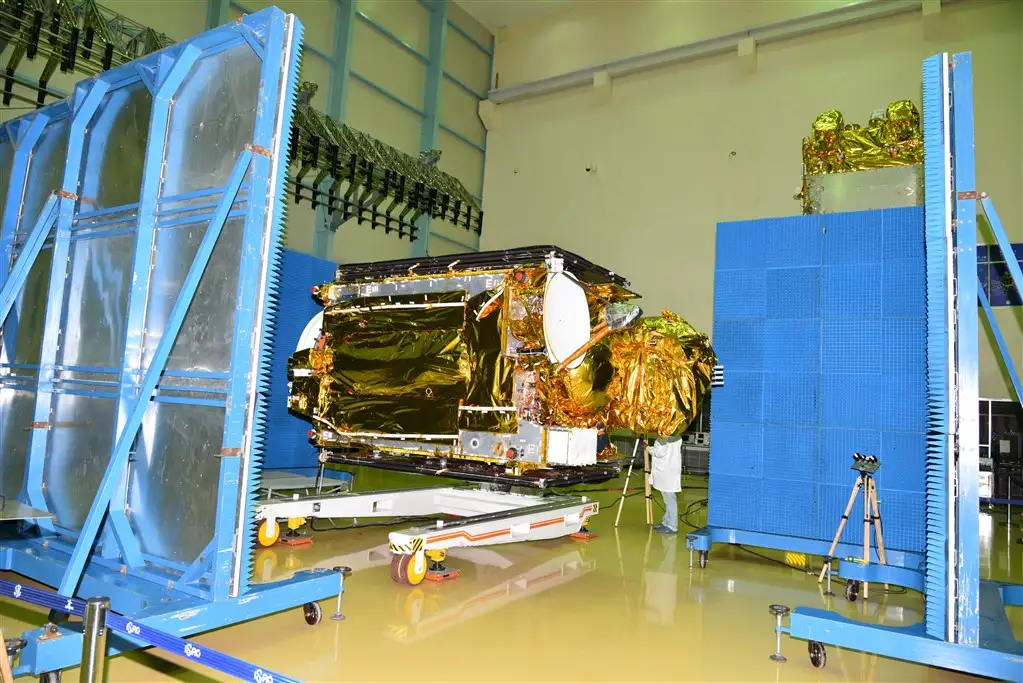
<point x="666" y="477"/>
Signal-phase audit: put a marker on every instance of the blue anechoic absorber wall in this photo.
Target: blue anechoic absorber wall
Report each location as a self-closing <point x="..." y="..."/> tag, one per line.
<point x="288" y="445"/>
<point x="819" y="322"/>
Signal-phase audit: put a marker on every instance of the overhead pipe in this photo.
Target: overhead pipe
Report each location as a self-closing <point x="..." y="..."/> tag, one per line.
<point x="847" y="15"/>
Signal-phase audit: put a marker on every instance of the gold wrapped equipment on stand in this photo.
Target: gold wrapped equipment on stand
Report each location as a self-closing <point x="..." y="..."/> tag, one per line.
<point x="513" y="360"/>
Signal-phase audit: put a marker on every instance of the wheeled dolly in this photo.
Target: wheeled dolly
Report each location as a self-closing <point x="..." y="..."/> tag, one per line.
<point x="482" y="518"/>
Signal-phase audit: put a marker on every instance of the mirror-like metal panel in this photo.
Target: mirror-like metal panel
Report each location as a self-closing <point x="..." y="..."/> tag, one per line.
<point x="173" y="479"/>
<point x="96" y="297"/>
<point x="153" y="165"/>
<point x="115" y="148"/>
<point x="45" y="171"/>
<point x="15" y="417"/>
<point x="23" y="331"/>
<point x="212" y="119"/>
<point x="204" y="342"/>
<point x="76" y="454"/>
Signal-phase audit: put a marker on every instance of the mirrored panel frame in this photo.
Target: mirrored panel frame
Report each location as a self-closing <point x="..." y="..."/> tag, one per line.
<point x="140" y="246"/>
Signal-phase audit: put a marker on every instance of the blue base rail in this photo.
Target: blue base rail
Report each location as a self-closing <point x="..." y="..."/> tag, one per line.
<point x="704" y="538"/>
<point x="160" y="616"/>
<point x="903" y="569"/>
<point x="999" y="656"/>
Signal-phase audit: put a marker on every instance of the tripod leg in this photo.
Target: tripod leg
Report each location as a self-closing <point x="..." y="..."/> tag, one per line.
<point x="841" y="528"/>
<point x="866" y="532"/>
<point x="625" y="490"/>
<point x="877" y="524"/>
<point x="646" y="485"/>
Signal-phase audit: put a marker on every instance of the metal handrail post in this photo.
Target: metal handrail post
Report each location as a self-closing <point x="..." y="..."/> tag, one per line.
<point x="94" y="641"/>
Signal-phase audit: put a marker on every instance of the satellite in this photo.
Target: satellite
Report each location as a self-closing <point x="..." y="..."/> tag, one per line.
<point x="503" y="367"/>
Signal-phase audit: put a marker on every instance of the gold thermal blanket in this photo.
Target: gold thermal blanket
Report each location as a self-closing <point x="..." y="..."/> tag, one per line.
<point x="402" y="364"/>
<point x="891" y="138"/>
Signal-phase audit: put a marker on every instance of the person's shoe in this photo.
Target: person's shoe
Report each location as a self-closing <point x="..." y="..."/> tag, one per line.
<point x="661" y="529"/>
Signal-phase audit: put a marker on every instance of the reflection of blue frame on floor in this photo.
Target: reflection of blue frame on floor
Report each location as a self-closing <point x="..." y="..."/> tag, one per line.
<point x="126" y="541"/>
<point x="965" y="626"/>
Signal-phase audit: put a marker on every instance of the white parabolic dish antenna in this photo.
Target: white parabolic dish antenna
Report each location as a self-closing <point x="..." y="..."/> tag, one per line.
<point x="566" y="318"/>
<point x="310" y="333"/>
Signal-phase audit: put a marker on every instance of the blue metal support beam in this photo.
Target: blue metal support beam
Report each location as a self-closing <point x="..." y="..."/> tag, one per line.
<point x="1003" y="348"/>
<point x="217" y="13"/>
<point x="967" y="341"/>
<point x="464" y="88"/>
<point x="431" y="104"/>
<point x="119" y="455"/>
<point x="386" y="93"/>
<point x="253" y="327"/>
<point x="467" y="247"/>
<point x="152" y="176"/>
<point x="23" y="139"/>
<point x="85" y="103"/>
<point x="465" y="34"/>
<point x="391" y="37"/>
<point x="337" y="101"/>
<point x="455" y="134"/>
<point x="1003" y="241"/>
<point x="307" y="48"/>
<point x="490" y="84"/>
<point x="33" y="245"/>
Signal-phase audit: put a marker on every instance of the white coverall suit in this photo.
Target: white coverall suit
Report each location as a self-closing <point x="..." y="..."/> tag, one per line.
<point x="666" y="477"/>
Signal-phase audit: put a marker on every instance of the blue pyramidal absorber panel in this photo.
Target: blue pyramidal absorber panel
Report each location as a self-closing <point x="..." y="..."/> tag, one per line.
<point x="287" y="438"/>
<point x="820" y="323"/>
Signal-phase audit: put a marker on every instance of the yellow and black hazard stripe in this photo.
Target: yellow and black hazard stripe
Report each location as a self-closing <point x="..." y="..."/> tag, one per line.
<point x="407" y="548"/>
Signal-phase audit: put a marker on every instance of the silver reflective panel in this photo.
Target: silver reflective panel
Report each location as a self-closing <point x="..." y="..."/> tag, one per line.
<point x="16" y="415"/>
<point x="96" y="298"/>
<point x="45" y="172"/>
<point x="139" y="179"/>
<point x="204" y="343"/>
<point x="115" y="148"/>
<point x="23" y="331"/>
<point x="173" y="479"/>
<point x="77" y="453"/>
<point x="212" y="119"/>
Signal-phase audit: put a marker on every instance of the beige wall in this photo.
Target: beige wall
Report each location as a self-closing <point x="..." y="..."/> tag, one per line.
<point x="679" y="149"/>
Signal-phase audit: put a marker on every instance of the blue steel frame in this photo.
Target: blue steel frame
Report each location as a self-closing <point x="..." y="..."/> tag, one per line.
<point x="970" y="633"/>
<point x="213" y="590"/>
<point x="341" y="73"/>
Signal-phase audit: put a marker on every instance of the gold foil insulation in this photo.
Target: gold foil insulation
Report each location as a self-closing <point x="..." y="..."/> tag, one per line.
<point x="437" y="363"/>
<point x="662" y="370"/>
<point x="891" y="138"/>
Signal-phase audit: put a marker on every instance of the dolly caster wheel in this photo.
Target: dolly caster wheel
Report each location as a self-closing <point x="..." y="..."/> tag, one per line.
<point x="50" y="677"/>
<point x="818" y="655"/>
<point x="312" y="613"/>
<point x="703" y="559"/>
<point x="268" y="533"/>
<point x="852" y="591"/>
<point x="409" y="569"/>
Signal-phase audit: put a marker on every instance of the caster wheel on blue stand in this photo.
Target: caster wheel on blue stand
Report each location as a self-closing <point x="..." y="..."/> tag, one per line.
<point x="852" y="591"/>
<point x="312" y="613"/>
<point x="50" y="677"/>
<point x="703" y="559"/>
<point x="818" y="655"/>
